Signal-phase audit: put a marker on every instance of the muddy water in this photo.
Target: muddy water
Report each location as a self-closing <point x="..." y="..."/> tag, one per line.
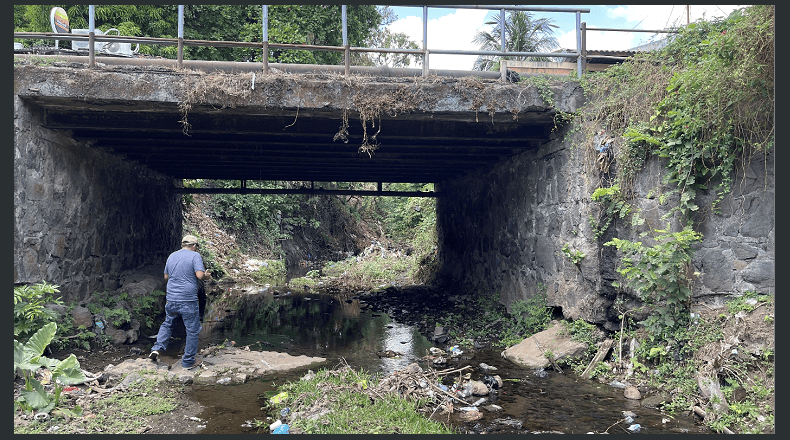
<point x="321" y="325"/>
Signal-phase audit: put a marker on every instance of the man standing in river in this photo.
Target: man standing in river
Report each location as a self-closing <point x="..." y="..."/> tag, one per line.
<point x="183" y="272"/>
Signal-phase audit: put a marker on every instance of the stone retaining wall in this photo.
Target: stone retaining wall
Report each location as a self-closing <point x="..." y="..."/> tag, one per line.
<point x="503" y="231"/>
<point x="84" y="218"/>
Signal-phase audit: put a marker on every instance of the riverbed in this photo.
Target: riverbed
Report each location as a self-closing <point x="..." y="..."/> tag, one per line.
<point x="349" y="330"/>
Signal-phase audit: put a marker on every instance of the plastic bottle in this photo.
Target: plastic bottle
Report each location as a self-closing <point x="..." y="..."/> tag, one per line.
<point x="282" y="429"/>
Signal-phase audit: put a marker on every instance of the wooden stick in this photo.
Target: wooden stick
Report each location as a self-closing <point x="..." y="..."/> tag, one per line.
<point x="544" y="354"/>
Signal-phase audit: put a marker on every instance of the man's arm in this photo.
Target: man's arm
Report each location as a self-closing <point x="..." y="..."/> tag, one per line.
<point x="201" y="275"/>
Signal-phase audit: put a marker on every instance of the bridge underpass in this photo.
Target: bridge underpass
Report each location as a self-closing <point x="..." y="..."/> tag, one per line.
<point x="284" y="127"/>
<point x="101" y="154"/>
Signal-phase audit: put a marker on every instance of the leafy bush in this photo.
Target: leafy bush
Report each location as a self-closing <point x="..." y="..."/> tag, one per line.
<point x="533" y="314"/>
<point x="29" y="358"/>
<point x="29" y="311"/>
<point x="660" y="274"/>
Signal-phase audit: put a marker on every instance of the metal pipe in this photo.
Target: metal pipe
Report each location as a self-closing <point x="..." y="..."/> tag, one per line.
<point x="502" y="28"/>
<point x="232" y="66"/>
<point x="508" y="7"/>
<point x="584" y="47"/>
<point x="180" y="35"/>
<point x="519" y="54"/>
<point x="345" y="27"/>
<point x="502" y="62"/>
<point x="425" y="40"/>
<point x="632" y="30"/>
<point x="265" y="40"/>
<point x="346" y="51"/>
<point x="310" y="191"/>
<point x="91" y="38"/>
<point x="579" y="44"/>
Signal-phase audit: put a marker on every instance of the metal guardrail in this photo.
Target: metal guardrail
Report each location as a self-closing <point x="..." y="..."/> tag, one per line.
<point x="265" y="45"/>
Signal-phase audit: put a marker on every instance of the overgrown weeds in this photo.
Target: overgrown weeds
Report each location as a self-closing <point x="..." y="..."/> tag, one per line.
<point x="345" y="401"/>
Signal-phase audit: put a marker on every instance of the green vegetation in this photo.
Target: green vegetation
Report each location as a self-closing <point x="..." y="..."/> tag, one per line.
<point x="353" y="410"/>
<point x="29" y="358"/>
<point x="270" y="272"/>
<point x="526" y="318"/>
<point x="119" y="413"/>
<point x="576" y="256"/>
<point x="29" y="311"/>
<point x="661" y="275"/>
<point x="523" y="33"/>
<point x="292" y="24"/>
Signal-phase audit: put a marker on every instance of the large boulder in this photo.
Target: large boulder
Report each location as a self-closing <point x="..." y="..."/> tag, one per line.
<point x="529" y="353"/>
<point x="82" y="317"/>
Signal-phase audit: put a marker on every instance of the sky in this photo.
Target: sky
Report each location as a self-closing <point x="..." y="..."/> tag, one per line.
<point x="454" y="29"/>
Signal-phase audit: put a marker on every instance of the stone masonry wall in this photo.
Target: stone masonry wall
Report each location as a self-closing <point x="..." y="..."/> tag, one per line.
<point x="503" y="231"/>
<point x="84" y="218"/>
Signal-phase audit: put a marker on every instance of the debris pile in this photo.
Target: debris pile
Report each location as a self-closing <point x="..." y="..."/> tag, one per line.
<point x="425" y="386"/>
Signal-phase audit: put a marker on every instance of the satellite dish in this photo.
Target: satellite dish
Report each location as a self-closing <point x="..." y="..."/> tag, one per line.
<point x="59" y="21"/>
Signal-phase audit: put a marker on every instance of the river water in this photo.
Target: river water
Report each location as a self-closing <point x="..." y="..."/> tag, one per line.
<point x="336" y="329"/>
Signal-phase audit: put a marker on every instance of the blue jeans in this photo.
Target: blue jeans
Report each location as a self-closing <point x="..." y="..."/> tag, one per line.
<point x="190" y="314"/>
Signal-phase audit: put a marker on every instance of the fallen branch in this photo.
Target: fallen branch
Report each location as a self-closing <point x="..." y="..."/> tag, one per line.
<point x="544" y="355"/>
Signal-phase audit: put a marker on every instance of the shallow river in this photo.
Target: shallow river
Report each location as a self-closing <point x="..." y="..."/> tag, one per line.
<point x="321" y="325"/>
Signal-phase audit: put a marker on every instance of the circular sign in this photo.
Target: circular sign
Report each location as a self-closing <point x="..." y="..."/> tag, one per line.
<point x="59" y="21"/>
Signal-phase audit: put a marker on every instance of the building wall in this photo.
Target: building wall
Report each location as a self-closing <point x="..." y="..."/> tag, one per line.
<point x="82" y="217"/>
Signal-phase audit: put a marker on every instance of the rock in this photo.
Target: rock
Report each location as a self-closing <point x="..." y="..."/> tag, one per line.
<point x="709" y="388"/>
<point x="413" y="368"/>
<point x="485" y="368"/>
<point x="82" y="317"/>
<point x="492" y="408"/>
<point x="527" y="354"/>
<point x="479" y="388"/>
<point x="470" y="416"/>
<point x="654" y="401"/>
<point x="632" y="393"/>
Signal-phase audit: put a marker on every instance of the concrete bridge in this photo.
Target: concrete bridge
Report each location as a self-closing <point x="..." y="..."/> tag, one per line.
<point x="100" y="155"/>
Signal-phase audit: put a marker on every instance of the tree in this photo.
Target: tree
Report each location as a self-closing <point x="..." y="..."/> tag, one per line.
<point x="300" y="24"/>
<point x="386" y="39"/>
<point x="523" y="33"/>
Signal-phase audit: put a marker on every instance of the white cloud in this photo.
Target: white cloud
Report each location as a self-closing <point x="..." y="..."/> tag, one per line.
<point x="654" y="17"/>
<point x="451" y="32"/>
<point x="455" y="31"/>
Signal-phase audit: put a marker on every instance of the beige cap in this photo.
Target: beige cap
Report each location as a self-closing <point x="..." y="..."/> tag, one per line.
<point x="189" y="239"/>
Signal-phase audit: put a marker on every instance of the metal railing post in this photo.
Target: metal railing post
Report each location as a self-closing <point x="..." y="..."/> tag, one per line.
<point x="180" y="35"/>
<point x="265" y="13"/>
<point x="502" y="62"/>
<point x="584" y="47"/>
<point x="91" y="38"/>
<point x="346" y="47"/>
<point x="425" y="41"/>
<point x="579" y="43"/>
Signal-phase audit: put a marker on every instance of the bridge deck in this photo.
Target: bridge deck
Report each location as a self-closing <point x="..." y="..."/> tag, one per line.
<point x="321" y="127"/>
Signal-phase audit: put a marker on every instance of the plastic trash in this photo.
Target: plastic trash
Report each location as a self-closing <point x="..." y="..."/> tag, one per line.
<point x="278" y="398"/>
<point x="100" y="324"/>
<point x="443" y="387"/>
<point x="635" y="427"/>
<point x="629" y="420"/>
<point x="479" y="401"/>
<point x="285" y="411"/>
<point x="275" y="425"/>
<point x="282" y="429"/>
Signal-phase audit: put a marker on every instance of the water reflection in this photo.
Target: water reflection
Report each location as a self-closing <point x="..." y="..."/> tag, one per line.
<point x="314" y="325"/>
<point x="322" y="325"/>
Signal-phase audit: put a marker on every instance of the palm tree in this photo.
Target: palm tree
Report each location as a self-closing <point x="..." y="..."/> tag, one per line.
<point x="523" y="33"/>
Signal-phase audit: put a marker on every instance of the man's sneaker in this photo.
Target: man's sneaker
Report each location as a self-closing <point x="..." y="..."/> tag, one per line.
<point x="154" y="355"/>
<point x="193" y="366"/>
